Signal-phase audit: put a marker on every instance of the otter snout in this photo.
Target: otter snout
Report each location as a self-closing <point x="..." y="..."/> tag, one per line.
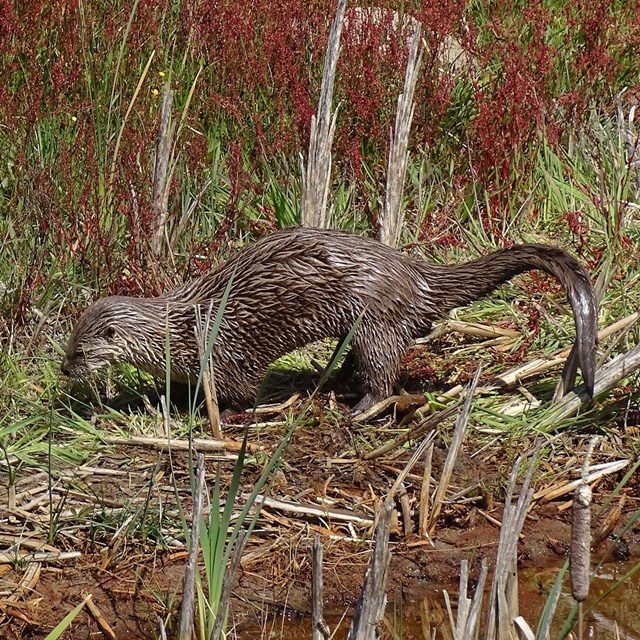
<point x="70" y="369"/>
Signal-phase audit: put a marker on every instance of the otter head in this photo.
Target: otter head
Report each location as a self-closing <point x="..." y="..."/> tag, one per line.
<point x="96" y="340"/>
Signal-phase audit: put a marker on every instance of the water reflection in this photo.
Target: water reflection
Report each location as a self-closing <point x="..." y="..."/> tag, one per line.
<point x="421" y="611"/>
<point x="607" y="615"/>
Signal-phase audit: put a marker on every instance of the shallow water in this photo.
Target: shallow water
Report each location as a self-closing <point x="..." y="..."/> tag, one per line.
<point x="423" y="609"/>
<point x="618" y="612"/>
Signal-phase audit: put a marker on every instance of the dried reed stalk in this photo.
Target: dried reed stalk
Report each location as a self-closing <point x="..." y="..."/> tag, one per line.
<point x="468" y="615"/>
<point x="319" y="629"/>
<point x="105" y="627"/>
<point x="425" y="491"/>
<point x="34" y="557"/>
<point x="503" y="603"/>
<point x="398" y="486"/>
<point x="180" y="445"/>
<point x="452" y="455"/>
<point x="160" y="187"/>
<point x="475" y="329"/>
<point x="596" y="472"/>
<point x="309" y="510"/>
<point x="472" y="618"/>
<point x="202" y="331"/>
<point x="608" y="376"/>
<point x="317" y="175"/>
<point x="540" y="365"/>
<point x="405" y="507"/>
<point x="609" y="522"/>
<point x="392" y="216"/>
<point x="417" y="454"/>
<point x="431" y="422"/>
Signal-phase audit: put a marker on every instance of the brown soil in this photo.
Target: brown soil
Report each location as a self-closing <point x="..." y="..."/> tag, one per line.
<point x="115" y="508"/>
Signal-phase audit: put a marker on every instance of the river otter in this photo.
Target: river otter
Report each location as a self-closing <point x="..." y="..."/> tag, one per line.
<point x="298" y="285"/>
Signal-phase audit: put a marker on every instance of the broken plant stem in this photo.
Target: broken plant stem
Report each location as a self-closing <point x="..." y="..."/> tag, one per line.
<point x="372" y="601"/>
<point x="428" y="423"/>
<point x="503" y="599"/>
<point x="317" y="175"/>
<point x="580" y="556"/>
<point x="198" y="444"/>
<point x="425" y="491"/>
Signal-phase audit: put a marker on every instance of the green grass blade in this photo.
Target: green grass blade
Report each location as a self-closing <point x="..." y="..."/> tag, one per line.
<point x="339" y="352"/>
<point x="546" y="616"/>
<point x="213" y="333"/>
<point x="65" y="623"/>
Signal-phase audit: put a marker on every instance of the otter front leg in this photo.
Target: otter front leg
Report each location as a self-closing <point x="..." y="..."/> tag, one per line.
<point x="377" y="358"/>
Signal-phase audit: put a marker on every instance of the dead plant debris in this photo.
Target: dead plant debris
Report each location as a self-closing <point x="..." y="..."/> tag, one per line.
<point x="112" y="528"/>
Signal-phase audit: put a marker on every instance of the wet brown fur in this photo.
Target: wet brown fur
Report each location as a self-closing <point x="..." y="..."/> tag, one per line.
<point x="300" y="285"/>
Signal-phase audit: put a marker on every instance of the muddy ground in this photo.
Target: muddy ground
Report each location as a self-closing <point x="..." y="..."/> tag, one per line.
<point x="118" y="512"/>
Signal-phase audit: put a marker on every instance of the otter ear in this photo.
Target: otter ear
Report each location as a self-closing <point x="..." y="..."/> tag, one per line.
<point x="109" y="332"/>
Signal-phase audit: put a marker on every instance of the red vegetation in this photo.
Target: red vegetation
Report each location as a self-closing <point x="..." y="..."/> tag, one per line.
<point x="534" y="71"/>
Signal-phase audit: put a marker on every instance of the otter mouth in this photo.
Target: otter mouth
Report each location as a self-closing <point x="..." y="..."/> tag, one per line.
<point x="74" y="371"/>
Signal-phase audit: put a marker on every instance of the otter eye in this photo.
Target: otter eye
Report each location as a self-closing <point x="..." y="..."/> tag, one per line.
<point x="109" y="332"/>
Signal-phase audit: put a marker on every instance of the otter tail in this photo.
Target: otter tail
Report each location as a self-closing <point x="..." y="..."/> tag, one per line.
<point x="457" y="285"/>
